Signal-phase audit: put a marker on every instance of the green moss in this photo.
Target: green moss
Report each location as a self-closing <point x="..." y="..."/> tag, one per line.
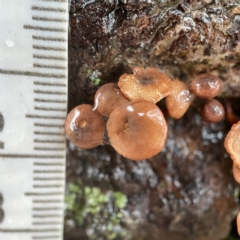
<point x="94" y="76"/>
<point x="120" y="199"/>
<point x="236" y="193"/>
<point x="99" y="212"/>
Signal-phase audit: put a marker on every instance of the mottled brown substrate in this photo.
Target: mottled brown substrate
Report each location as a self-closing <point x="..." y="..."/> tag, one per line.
<point x="186" y="192"/>
<point x="107" y="38"/>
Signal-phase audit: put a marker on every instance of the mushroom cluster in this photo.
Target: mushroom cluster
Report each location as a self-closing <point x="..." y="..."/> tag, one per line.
<point x="126" y="116"/>
<point x="207" y="87"/>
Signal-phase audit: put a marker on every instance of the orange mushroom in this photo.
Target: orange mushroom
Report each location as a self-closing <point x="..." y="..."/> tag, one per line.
<point x="230" y="115"/>
<point x="212" y="111"/>
<point x="232" y="143"/>
<point x="236" y="173"/>
<point x="107" y="98"/>
<point x="206" y="86"/>
<point x="137" y="130"/>
<point x="179" y="100"/>
<point x="238" y="223"/>
<point x="145" y="84"/>
<point x="84" y="127"/>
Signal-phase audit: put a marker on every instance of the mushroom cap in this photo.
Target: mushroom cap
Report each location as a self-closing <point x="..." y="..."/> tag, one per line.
<point x="179" y="100"/>
<point x="145" y="84"/>
<point x="206" y="86"/>
<point x="137" y="130"/>
<point x="84" y="127"/>
<point x="236" y="173"/>
<point x="232" y="143"/>
<point x="212" y="111"/>
<point x="108" y="97"/>
<point x="238" y="223"/>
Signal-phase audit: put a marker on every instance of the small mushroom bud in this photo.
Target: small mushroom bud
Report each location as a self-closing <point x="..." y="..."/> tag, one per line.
<point x="108" y="97"/>
<point x="179" y="100"/>
<point x="236" y="173"/>
<point x="145" y="84"/>
<point x="232" y="143"/>
<point x="84" y="127"/>
<point x="206" y="86"/>
<point x="137" y="130"/>
<point x="212" y="111"/>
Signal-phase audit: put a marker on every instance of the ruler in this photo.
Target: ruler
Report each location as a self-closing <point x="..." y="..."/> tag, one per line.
<point x="33" y="106"/>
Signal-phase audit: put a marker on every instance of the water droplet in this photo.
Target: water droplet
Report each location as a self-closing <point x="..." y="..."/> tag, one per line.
<point x="10" y="43"/>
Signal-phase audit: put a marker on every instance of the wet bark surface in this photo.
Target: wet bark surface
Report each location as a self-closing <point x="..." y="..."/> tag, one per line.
<point x="182" y="38"/>
<point x="187" y="191"/>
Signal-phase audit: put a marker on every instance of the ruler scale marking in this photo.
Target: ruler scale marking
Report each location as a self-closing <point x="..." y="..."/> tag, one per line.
<point x="44" y="48"/>
<point x="36" y="65"/>
<point x="48" y="125"/>
<point x="46" y="223"/>
<point x="51" y="109"/>
<point x="49" y="100"/>
<point x="49" y="57"/>
<point x="46" y="208"/>
<point x="46" y="29"/>
<point x="53" y="1"/>
<point x="48" y="149"/>
<point x="38" y="51"/>
<point x="48" y="9"/>
<point x="53" y="39"/>
<point x="32" y="74"/>
<point x="28" y="230"/>
<point x="49" y="84"/>
<point x="46" y="237"/>
<point x="49" y="92"/>
<point x="50" y="201"/>
<point x="45" y="19"/>
<point x="48" y="164"/>
<point x="48" y="179"/>
<point x="48" y="141"/>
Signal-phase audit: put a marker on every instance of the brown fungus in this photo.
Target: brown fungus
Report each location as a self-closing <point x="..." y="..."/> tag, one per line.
<point x="232" y="143"/>
<point x="179" y="100"/>
<point x="108" y="97"/>
<point x="212" y="111"/>
<point x="84" y="127"/>
<point x="206" y="86"/>
<point x="145" y="84"/>
<point x="137" y="130"/>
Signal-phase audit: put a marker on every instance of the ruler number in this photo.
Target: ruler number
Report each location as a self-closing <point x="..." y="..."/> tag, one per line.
<point x="1" y="128"/>
<point x="1" y="210"/>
